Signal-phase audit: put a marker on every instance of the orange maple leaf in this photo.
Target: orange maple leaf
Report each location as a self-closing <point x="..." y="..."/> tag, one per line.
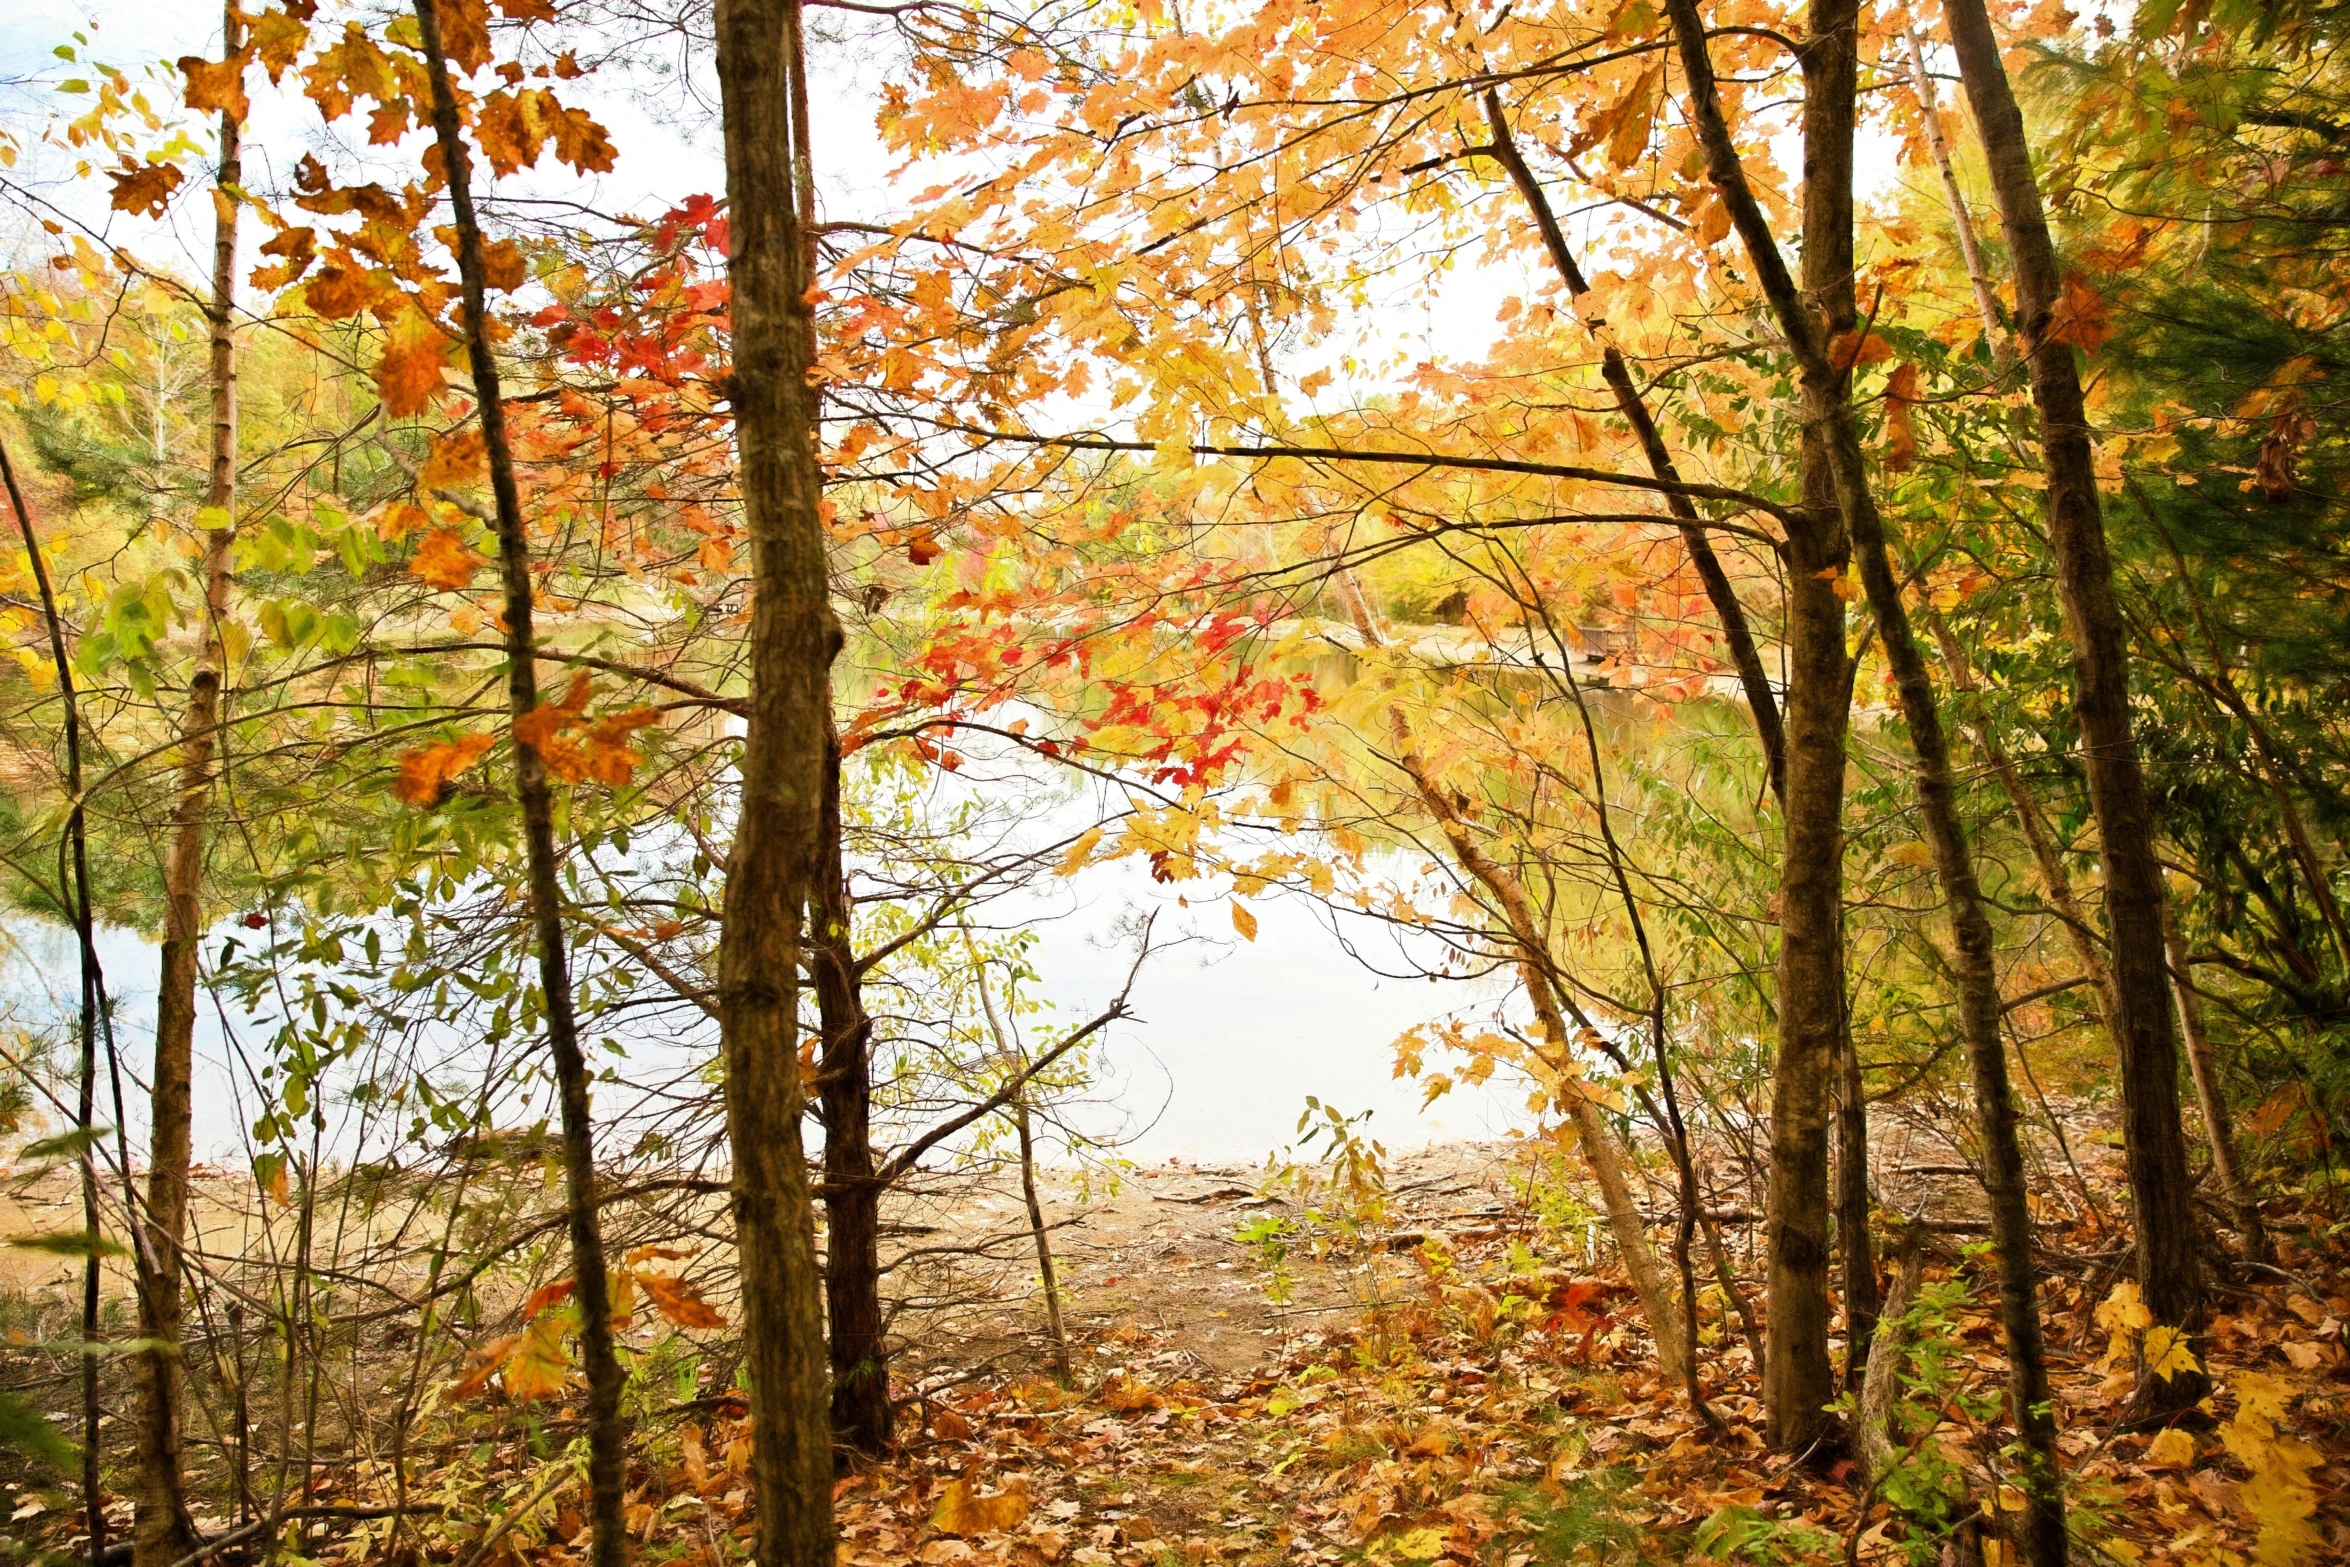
<point x="2079" y="317"/>
<point x="295" y="249"/>
<point x="426" y="771"/>
<point x="1901" y="431"/>
<point x="445" y="560"/>
<point x="416" y="351"/>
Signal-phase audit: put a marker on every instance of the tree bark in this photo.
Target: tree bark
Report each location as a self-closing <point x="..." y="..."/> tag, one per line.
<point x="1829" y="116"/>
<point x="164" y="1531"/>
<point x="607" y="1431"/>
<point x="793" y="639"/>
<point x="852" y="1194"/>
<point x="2219" y="1128"/>
<point x="2155" y="1152"/>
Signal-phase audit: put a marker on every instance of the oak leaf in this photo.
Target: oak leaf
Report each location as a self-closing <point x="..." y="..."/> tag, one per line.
<point x="445" y="560"/>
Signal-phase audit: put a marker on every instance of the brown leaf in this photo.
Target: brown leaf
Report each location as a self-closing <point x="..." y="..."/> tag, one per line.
<point x="1852" y="347"/>
<point x="483" y="1364"/>
<point x="579" y="140"/>
<point x="295" y="249"/>
<point x="465" y="32"/>
<point x="340" y="292"/>
<point x="1901" y="432"/>
<point x="217" y="86"/>
<point x="922" y="549"/>
<point x="679" y="1302"/>
<point x="455" y="460"/>
<point x="504" y="267"/>
<point x="144" y="188"/>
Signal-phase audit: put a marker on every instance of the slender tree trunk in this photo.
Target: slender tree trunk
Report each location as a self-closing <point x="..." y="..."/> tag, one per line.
<point x="1962" y="219"/>
<point x="164" y="1530"/>
<point x="75" y="889"/>
<point x="852" y="1194"/>
<point x="2155" y="1152"/>
<point x="769" y="871"/>
<point x="1045" y="1272"/>
<point x="2219" y="1127"/>
<point x="1854" y="1238"/>
<point x="1593" y="1136"/>
<point x="1016" y="1060"/>
<point x="1745" y="657"/>
<point x="1829" y="116"/>
<point x="607" y="1431"/>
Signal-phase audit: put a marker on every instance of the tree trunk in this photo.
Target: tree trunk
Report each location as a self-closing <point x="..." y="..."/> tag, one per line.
<point x="852" y="1194"/>
<point x="1045" y="1272"/>
<point x="607" y="1433"/>
<point x="164" y="1530"/>
<point x="2155" y="1153"/>
<point x="1829" y="115"/>
<point x="792" y="641"/>
<point x="87" y="1020"/>
<point x="1962" y="220"/>
<point x="1593" y="1136"/>
<point x="1880" y="1385"/>
<point x="1016" y="1060"/>
<point x="2219" y="1127"/>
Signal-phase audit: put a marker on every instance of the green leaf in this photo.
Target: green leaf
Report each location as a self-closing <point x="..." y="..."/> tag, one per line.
<point x="68" y="1243"/>
<point x="23" y="1428"/>
<point x="66" y="1145"/>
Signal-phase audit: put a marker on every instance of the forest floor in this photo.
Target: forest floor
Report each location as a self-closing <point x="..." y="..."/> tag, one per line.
<point x="1457" y="1377"/>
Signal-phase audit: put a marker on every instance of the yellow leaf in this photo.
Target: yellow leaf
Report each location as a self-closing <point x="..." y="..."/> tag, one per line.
<point x="540" y="1361"/>
<point x="1079" y="852"/>
<point x="2168" y="1354"/>
<point x="2172" y="1449"/>
<point x="961" y="1511"/>
<point x="1244" y="922"/>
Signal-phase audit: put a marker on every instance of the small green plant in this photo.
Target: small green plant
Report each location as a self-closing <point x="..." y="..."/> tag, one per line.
<point x="1586" y="1519"/>
<point x="1269" y="1237"/>
<point x="1740" y="1534"/>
